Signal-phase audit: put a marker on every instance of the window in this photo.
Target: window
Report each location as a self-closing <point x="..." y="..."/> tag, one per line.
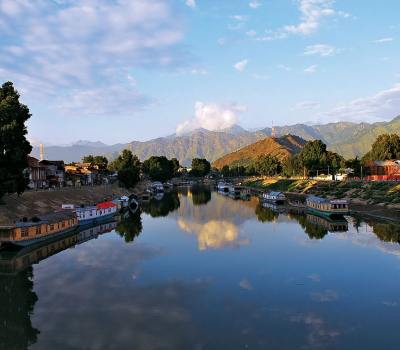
<point x="38" y="230"/>
<point x="63" y="224"/>
<point x="24" y="231"/>
<point x="51" y="227"/>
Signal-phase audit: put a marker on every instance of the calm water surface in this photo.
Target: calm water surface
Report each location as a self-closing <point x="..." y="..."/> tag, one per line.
<point x="199" y="270"/>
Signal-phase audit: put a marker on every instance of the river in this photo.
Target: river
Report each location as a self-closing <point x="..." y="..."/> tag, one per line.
<point x="199" y="270"/>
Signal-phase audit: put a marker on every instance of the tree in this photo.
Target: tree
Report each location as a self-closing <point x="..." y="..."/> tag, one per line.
<point x="200" y="167"/>
<point x="158" y="168"/>
<point x="100" y="161"/>
<point x="175" y="166"/>
<point x="128" y="167"/>
<point x="225" y="171"/>
<point x="268" y="165"/>
<point x="14" y="147"/>
<point x="125" y="160"/>
<point x="385" y="147"/>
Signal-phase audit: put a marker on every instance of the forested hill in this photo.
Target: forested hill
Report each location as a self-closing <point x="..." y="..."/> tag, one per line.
<point x="348" y="139"/>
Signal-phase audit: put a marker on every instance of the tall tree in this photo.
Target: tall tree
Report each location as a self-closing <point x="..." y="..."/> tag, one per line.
<point x="158" y="168"/>
<point x="200" y="167"/>
<point x="128" y="167"/>
<point x="14" y="147"/>
<point x="268" y="165"/>
<point x="385" y="147"/>
<point x="100" y="161"/>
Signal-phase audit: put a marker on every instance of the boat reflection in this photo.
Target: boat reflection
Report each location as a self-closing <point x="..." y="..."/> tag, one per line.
<point x="14" y="261"/>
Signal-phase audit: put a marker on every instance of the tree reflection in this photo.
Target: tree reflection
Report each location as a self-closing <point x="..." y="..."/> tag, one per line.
<point x="17" y="301"/>
<point x="201" y="195"/>
<point x="130" y="227"/>
<point x="313" y="230"/>
<point x="157" y="208"/>
<point x="266" y="214"/>
<point x="387" y="232"/>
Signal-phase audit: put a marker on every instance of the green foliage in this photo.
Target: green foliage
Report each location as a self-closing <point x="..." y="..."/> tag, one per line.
<point x="268" y="166"/>
<point x="313" y="158"/>
<point x="175" y="166"/>
<point x="100" y="161"/>
<point x="125" y="160"/>
<point x="385" y="147"/>
<point x="200" y="167"/>
<point x="159" y="168"/>
<point x="14" y="147"/>
<point x="128" y="167"/>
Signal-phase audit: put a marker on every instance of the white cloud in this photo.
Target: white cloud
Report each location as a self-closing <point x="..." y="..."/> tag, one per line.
<point x="191" y="3"/>
<point x="251" y="33"/>
<point x="311" y="69"/>
<point x="241" y="65"/>
<point x="211" y="117"/>
<point x="239" y="18"/>
<point x="321" y="50"/>
<point x="312" y="13"/>
<point x="383" y="40"/>
<point x="254" y="4"/>
<point x="306" y="105"/>
<point x="69" y="48"/>
<point x="384" y="104"/>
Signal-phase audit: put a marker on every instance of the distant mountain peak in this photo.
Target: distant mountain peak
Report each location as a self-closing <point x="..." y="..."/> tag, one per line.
<point x="89" y="143"/>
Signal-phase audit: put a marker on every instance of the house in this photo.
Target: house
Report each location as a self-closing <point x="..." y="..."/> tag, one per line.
<point x="55" y="172"/>
<point x="37" y="174"/>
<point x="383" y="170"/>
<point x="85" y="174"/>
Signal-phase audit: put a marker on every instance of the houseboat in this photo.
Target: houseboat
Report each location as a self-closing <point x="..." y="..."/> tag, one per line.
<point x="157" y="187"/>
<point x="222" y="186"/>
<point x="234" y="191"/>
<point x="274" y="197"/>
<point x="327" y="207"/>
<point x="38" y="229"/>
<point x="96" y="214"/>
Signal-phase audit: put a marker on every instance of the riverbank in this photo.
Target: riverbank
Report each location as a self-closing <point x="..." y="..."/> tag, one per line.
<point x="375" y="199"/>
<point x="33" y="203"/>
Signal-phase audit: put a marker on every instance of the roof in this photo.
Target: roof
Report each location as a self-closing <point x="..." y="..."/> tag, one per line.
<point x="317" y="199"/>
<point x="275" y="193"/>
<point x="392" y="162"/>
<point x="105" y="205"/>
<point x="48" y="218"/>
<point x="58" y="163"/>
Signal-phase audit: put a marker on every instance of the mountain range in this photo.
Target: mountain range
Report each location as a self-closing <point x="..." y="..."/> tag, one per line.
<point x="346" y="138"/>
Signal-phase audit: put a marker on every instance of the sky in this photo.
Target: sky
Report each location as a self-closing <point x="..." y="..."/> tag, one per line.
<point x="124" y="70"/>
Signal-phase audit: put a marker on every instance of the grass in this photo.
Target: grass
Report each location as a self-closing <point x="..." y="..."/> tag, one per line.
<point x="372" y="192"/>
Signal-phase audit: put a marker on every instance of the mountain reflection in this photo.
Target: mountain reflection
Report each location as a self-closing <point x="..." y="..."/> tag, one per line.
<point x="16" y="307"/>
<point x="217" y="224"/>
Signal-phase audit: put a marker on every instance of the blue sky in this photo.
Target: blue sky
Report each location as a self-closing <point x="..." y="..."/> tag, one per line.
<point x="121" y="70"/>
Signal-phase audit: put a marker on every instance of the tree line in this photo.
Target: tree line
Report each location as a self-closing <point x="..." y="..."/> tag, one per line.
<point x="313" y="158"/>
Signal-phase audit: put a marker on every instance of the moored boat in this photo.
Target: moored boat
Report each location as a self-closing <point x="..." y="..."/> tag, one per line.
<point x="274" y="197"/>
<point x="39" y="229"/>
<point x="157" y="187"/>
<point x="96" y="214"/>
<point x="327" y="207"/>
<point x="222" y="186"/>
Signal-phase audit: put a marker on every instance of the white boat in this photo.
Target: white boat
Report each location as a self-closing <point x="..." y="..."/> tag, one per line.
<point x="96" y="213"/>
<point x="157" y="187"/>
<point x="122" y="202"/>
<point x="274" y="197"/>
<point x="223" y="187"/>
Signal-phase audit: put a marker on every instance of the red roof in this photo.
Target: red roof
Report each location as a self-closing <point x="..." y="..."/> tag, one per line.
<point x="105" y="205"/>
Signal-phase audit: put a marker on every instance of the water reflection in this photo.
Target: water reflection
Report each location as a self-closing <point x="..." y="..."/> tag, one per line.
<point x="161" y="208"/>
<point x="159" y="292"/>
<point x="130" y="226"/>
<point x="17" y="301"/>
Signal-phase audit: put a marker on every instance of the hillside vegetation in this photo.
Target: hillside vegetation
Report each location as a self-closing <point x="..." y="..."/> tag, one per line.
<point x="279" y="147"/>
